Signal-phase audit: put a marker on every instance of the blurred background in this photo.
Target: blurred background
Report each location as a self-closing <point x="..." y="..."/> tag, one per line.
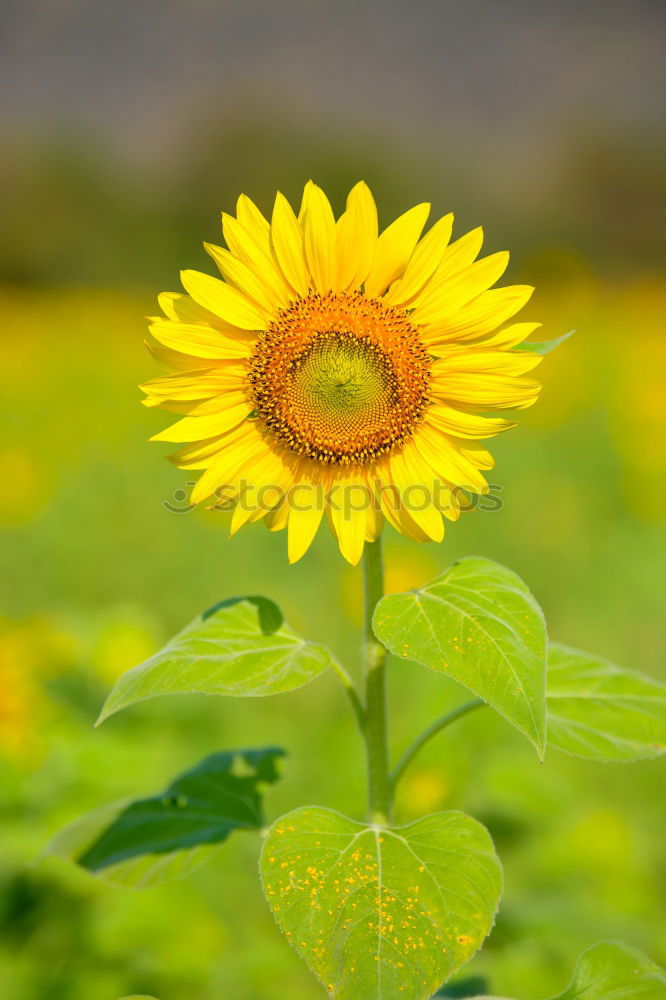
<point x="124" y="129"/>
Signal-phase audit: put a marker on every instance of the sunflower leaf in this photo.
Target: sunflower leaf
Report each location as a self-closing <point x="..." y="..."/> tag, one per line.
<point x="155" y="839"/>
<point x="381" y="913"/>
<point x="241" y="647"/>
<point x="599" y="711"/>
<point x="614" y="971"/>
<point x="479" y="624"/>
<point x="611" y="970"/>
<point x="462" y="988"/>
<point x="545" y="346"/>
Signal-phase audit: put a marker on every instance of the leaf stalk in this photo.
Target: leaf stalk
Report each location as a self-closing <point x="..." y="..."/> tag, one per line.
<point x="437" y="726"/>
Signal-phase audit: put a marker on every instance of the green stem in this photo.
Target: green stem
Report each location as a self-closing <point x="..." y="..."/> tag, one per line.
<point x="352" y="694"/>
<point x="427" y="734"/>
<point x="376" y="739"/>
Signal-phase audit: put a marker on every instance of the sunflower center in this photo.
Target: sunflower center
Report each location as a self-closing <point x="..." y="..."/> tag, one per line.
<point x="340" y="378"/>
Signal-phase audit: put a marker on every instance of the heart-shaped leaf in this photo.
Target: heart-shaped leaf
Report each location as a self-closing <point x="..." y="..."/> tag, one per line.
<point x="167" y="835"/>
<point x="241" y="647"/>
<point x="479" y="624"/>
<point x="598" y="711"/>
<point x="381" y="914"/>
<point x="612" y="971"/>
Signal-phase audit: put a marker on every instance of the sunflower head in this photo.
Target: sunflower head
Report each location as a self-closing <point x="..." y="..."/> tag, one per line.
<point x="336" y="370"/>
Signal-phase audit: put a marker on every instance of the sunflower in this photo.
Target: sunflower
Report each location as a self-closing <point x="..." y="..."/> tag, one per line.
<point x="335" y="370"/>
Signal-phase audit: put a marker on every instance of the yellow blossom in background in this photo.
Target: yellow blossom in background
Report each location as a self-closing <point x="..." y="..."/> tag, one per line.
<point x="23" y="494"/>
<point x="338" y="370"/>
<point x="32" y="653"/>
<point x="641" y="378"/>
<point x="407" y="568"/>
<point x="426" y="790"/>
<point x="120" y="636"/>
<point x="18" y="696"/>
<point x="22" y="704"/>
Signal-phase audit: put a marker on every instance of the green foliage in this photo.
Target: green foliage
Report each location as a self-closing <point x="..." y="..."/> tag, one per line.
<point x="379" y="912"/>
<point x="141" y="871"/>
<point x="241" y="647"/>
<point x="612" y="971"/>
<point x="546" y="346"/>
<point x="479" y="624"/>
<point x="598" y="711"/>
<point x="153" y="839"/>
<point x="463" y="988"/>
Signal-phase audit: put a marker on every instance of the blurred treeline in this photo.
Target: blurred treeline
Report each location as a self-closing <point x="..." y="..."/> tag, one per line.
<point x="77" y="212"/>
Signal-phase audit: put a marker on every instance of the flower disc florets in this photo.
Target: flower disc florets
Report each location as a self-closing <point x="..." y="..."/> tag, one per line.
<point x="340" y="378"/>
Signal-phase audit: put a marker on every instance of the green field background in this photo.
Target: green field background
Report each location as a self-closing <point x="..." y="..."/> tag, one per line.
<point x="97" y="572"/>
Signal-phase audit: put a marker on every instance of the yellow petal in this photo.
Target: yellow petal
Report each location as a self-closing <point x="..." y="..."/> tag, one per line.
<point x="262" y="484"/>
<point x="223" y="300"/>
<point x="252" y="282"/>
<point x="306" y="508"/>
<point x="509" y="337"/>
<point x="505" y="362"/>
<point x="175" y="360"/>
<point x="182" y="308"/>
<point x="200" y="454"/>
<point x="304" y="203"/>
<point x="224" y="400"/>
<point x="422" y="264"/>
<point x="243" y="443"/>
<point x="201" y="428"/>
<point x="445" y="459"/>
<point x="441" y="492"/>
<point x="287" y="242"/>
<point x="393" y="509"/>
<point x="394" y="248"/>
<point x="374" y="524"/>
<point x="459" y="254"/>
<point x="170" y="405"/>
<point x="350" y="499"/>
<point x="194" y="386"/>
<point x="198" y="341"/>
<point x="277" y="519"/>
<point x="415" y="495"/>
<point x="243" y="515"/>
<point x="477" y="454"/>
<point x="356" y="238"/>
<point x="488" y="311"/>
<point x="258" y="257"/>
<point x="456" y="257"/>
<point x="253" y="220"/>
<point x="154" y="401"/>
<point x="438" y="304"/>
<point x="489" y="391"/>
<point x="319" y="237"/>
<point x="459" y="423"/>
